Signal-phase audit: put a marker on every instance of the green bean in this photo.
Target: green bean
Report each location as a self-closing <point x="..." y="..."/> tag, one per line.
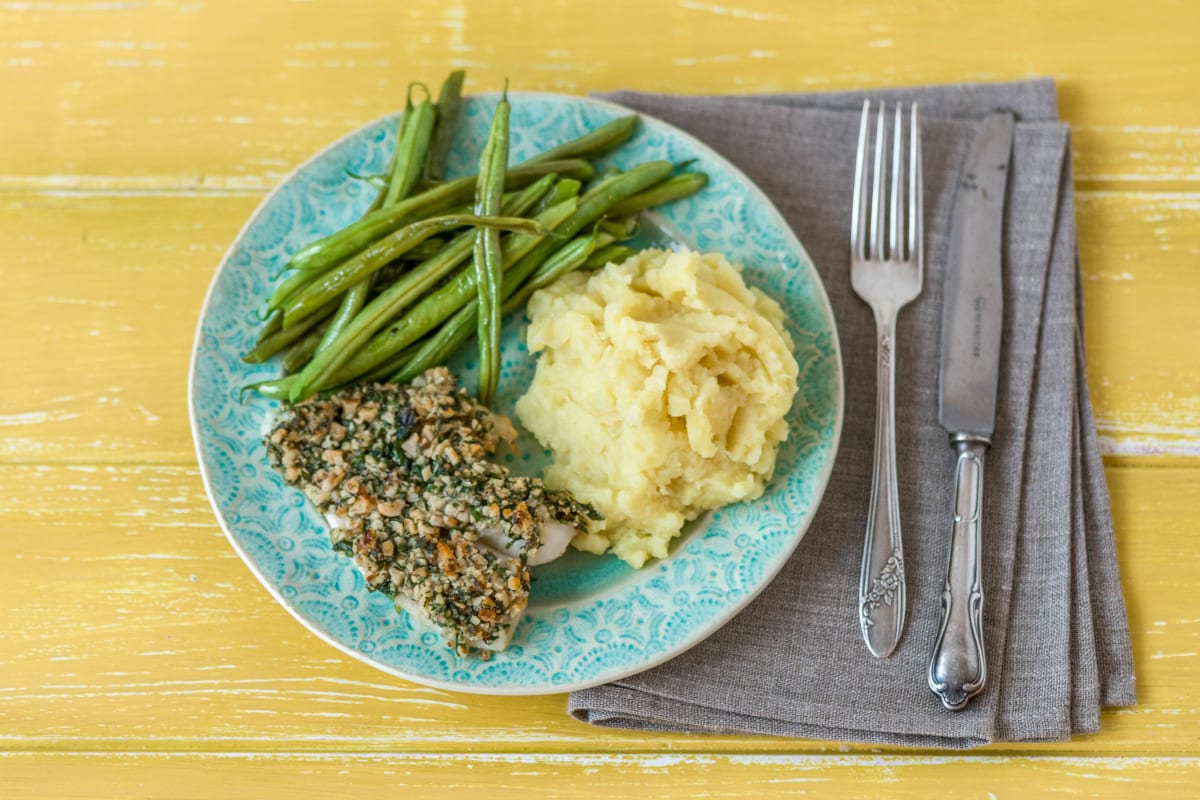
<point x="282" y="338"/>
<point x="352" y="302"/>
<point x="613" y="254"/>
<point x="438" y="348"/>
<point x="448" y="105"/>
<point x="590" y="187"/>
<point x="621" y="228"/>
<point x="382" y="252"/>
<point x="593" y="143"/>
<point x="437" y="306"/>
<point x="274" y="389"/>
<point x="426" y="249"/>
<point x="488" y="259"/>
<point x="673" y="188"/>
<point x="565" y="188"/>
<point x="332" y="249"/>
<point x="388" y="368"/>
<point x="292" y="285"/>
<point x="273" y="324"/>
<point x="377" y="182"/>
<point x="411" y="149"/>
<point x="469" y="208"/>
<point x="377" y="203"/>
<point x="405" y="291"/>
<point x="454" y="333"/>
<point x="296" y="356"/>
<point x="279" y="388"/>
<point x="569" y="258"/>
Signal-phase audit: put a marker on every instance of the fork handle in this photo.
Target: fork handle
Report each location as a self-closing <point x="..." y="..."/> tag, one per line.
<point x="881" y="594"/>
<point x="958" y="666"/>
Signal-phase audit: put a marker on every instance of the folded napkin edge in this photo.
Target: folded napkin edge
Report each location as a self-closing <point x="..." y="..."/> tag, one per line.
<point x="1031" y="99"/>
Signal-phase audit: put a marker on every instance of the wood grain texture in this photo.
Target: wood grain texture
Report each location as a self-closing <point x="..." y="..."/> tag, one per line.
<point x="205" y="96"/>
<point x="1138" y="253"/>
<point x="108" y="305"/>
<point x="581" y="777"/>
<point x="138" y="655"/>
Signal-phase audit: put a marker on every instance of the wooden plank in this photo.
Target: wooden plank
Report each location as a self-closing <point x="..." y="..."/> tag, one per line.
<point x="663" y="777"/>
<point x="100" y="308"/>
<point x="1133" y="156"/>
<point x="129" y="618"/>
<point x="103" y="294"/>
<point x="1138" y="253"/>
<point x="203" y="95"/>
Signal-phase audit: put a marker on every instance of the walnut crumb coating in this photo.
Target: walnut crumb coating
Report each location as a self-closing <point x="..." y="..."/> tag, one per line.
<point x="402" y="474"/>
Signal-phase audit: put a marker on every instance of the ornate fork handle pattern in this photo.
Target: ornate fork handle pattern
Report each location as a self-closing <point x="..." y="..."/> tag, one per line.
<point x="884" y="588"/>
<point x="881" y="594"/>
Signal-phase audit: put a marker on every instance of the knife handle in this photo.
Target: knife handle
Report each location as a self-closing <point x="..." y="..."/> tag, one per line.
<point x="958" y="666"/>
<point x="881" y="593"/>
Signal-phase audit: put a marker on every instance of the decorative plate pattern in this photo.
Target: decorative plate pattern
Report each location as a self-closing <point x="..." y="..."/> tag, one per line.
<point x="591" y="619"/>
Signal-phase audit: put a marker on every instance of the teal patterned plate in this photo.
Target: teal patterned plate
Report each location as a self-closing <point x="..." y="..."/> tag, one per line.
<point x="591" y="619"/>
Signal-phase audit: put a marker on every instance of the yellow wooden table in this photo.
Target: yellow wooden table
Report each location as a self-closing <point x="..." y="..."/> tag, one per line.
<point x="138" y="655"/>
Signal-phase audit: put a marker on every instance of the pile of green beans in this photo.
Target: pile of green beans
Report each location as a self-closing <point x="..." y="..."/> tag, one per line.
<point x="382" y="299"/>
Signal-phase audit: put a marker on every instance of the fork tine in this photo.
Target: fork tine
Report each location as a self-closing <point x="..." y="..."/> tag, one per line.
<point x="857" y="237"/>
<point x="916" y="191"/>
<point x="896" y="222"/>
<point x="875" y="248"/>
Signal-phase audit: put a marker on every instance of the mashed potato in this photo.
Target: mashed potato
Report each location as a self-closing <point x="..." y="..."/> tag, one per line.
<point x="661" y="390"/>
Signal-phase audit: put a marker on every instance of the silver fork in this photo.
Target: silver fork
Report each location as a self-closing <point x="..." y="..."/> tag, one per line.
<point x="887" y="279"/>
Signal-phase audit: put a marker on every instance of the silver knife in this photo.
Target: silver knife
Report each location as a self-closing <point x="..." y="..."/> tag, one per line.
<point x="972" y="313"/>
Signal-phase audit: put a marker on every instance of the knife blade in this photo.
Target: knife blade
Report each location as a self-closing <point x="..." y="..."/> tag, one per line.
<point x="968" y="377"/>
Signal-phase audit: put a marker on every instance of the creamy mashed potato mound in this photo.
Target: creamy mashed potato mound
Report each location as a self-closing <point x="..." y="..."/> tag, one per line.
<point x="661" y="389"/>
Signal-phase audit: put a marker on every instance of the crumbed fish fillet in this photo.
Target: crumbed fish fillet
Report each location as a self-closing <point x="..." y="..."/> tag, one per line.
<point x="402" y="475"/>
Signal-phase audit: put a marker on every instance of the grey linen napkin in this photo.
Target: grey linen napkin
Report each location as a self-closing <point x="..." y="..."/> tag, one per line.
<point x="793" y="663"/>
